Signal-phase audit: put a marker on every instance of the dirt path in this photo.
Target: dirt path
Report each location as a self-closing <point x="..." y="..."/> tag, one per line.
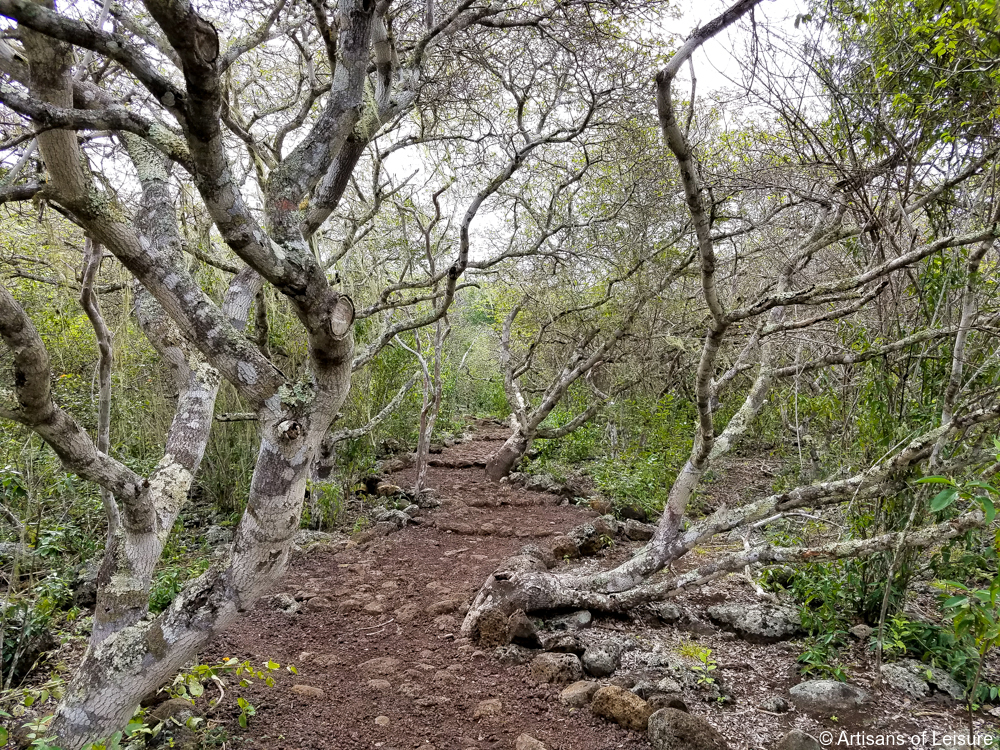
<point x="380" y="637"/>
<point x="377" y="639"/>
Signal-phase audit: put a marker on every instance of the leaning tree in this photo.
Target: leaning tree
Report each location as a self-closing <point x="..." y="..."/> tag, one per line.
<point x="813" y="225"/>
<point x="260" y="132"/>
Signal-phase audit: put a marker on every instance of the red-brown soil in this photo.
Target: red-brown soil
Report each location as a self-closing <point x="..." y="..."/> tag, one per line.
<point x="431" y="694"/>
<point x="398" y="600"/>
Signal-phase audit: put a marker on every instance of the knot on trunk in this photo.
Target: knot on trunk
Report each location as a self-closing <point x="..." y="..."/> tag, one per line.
<point x="341" y="316"/>
<point x="290" y="429"/>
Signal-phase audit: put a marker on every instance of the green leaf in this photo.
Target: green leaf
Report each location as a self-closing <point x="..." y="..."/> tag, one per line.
<point x="943" y="499"/>
<point x="983" y="486"/>
<point x="935" y="480"/>
<point x="988" y="507"/>
<point x="273" y="665"/>
<point x="3" y="736"/>
<point x="956" y="601"/>
<point x="243" y="720"/>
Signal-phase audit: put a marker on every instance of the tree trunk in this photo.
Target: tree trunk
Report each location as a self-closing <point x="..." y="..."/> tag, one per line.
<point x="136" y="660"/>
<point x="503" y="461"/>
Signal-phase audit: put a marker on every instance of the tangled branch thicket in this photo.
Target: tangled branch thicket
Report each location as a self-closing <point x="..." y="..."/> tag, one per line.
<point x="280" y="217"/>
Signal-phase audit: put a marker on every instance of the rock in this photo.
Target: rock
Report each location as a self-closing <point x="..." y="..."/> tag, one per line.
<point x="514" y="655"/>
<point x="602" y="660"/>
<point x="216" y="535"/>
<point x="397" y="518"/>
<point x="798" y="740"/>
<point x="172" y="717"/>
<point x="308" y="691"/>
<point x="667" y="701"/>
<point x="638" y="531"/>
<point x="561" y="643"/>
<point x="412" y="510"/>
<point x="591" y="538"/>
<point x="491" y="708"/>
<point x="380" y="685"/>
<point x="382" y="721"/>
<point x="539" y="553"/>
<point x="542" y="483"/>
<point x="668" y="612"/>
<point x="175" y="707"/>
<point x="407" y="612"/>
<point x="382" y="665"/>
<point x="492" y="629"/>
<point x="670" y="729"/>
<point x="935" y="677"/>
<point x="285" y="603"/>
<point x="85" y="584"/>
<point x="318" y="602"/>
<point x="564" y="548"/>
<point x="388" y="490"/>
<point x="444" y="607"/>
<point x="556" y="668"/>
<point x="28" y="560"/>
<point x="446" y="623"/>
<point x="578" y="694"/>
<point x="774" y="704"/>
<point x="573" y="621"/>
<point x="522" y="629"/>
<point x="827" y="697"/>
<point x="527" y="742"/>
<point x="634" y="512"/>
<point x="899" y="677"/>
<point x="377" y="607"/>
<point x="622" y="707"/>
<point x="308" y="538"/>
<point x="668" y="685"/>
<point x="601" y="505"/>
<point x="757" y="622"/>
<point x="862" y="632"/>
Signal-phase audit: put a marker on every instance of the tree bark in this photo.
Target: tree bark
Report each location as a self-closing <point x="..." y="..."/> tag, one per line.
<point x="501" y="463"/>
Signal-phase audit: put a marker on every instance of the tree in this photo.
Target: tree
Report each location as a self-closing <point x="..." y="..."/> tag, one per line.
<point x="261" y="162"/>
<point x="800" y="223"/>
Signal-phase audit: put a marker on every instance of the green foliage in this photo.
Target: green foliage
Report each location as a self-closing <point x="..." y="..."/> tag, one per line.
<point x="170" y="580"/>
<point x="651" y="442"/>
<point x="190" y="684"/>
<point x="706" y="667"/>
<point x="325" y="507"/>
<point x="22" y="623"/>
<point x="829" y="594"/>
<point x="973" y="612"/>
<point x="820" y="655"/>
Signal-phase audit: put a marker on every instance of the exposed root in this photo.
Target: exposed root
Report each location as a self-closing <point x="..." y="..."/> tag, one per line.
<point x="513" y="587"/>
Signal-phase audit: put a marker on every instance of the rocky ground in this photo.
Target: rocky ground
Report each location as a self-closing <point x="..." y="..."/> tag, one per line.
<point x="372" y="626"/>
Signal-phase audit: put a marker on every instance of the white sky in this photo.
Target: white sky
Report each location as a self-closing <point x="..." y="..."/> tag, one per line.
<point x="718" y="61"/>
